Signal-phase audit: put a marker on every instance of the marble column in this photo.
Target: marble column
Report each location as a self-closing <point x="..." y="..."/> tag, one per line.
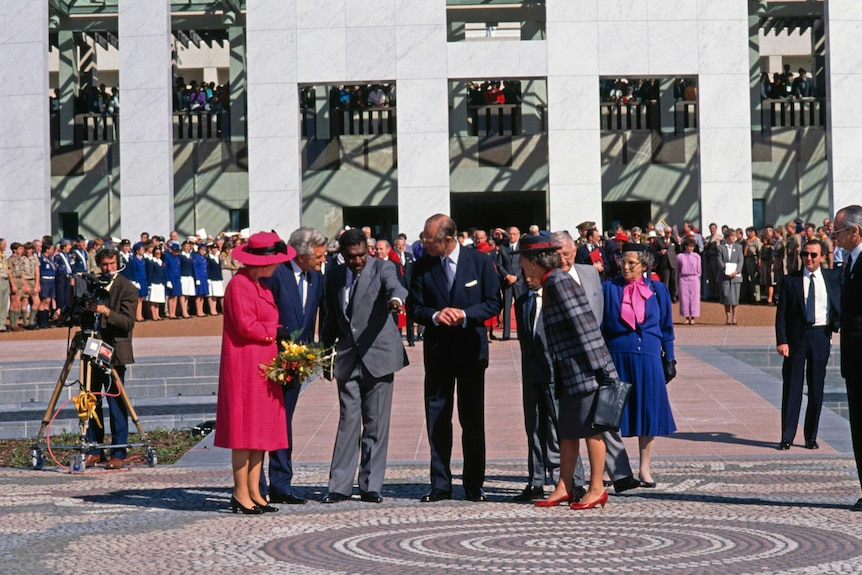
<point x="25" y="147"/>
<point x="146" y="137"/>
<point x="574" y="152"/>
<point x="274" y="163"/>
<point x="237" y="79"/>
<point x="844" y="82"/>
<point x="423" y="122"/>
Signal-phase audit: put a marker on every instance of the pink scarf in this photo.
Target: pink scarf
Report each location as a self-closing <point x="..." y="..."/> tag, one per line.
<point x="633" y="307"/>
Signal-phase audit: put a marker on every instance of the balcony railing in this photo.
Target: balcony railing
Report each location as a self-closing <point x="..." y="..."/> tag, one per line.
<point x="646" y="116"/>
<point x="97" y="128"/>
<point x="494" y="120"/>
<point x="793" y="113"/>
<point x="201" y="126"/>
<point x="352" y="122"/>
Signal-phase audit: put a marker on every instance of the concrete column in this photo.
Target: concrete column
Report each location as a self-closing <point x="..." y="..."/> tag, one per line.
<point x="754" y="8"/>
<point x="146" y="137"/>
<point x="274" y="163"/>
<point x="323" y="123"/>
<point x="237" y="79"/>
<point x="534" y="95"/>
<point x="69" y="83"/>
<point x="667" y="106"/>
<point x="459" y="99"/>
<point x="25" y="147"/>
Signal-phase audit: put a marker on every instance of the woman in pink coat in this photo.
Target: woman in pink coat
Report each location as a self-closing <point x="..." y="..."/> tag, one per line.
<point x="250" y="417"/>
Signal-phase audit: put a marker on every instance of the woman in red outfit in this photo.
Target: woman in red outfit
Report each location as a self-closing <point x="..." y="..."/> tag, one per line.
<point x="250" y="411"/>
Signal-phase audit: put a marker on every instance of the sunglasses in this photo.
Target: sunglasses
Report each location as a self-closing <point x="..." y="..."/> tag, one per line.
<point x="809" y="255"/>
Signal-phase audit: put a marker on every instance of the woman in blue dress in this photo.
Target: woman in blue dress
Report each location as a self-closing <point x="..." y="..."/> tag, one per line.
<point x="157" y="278"/>
<point x="173" y="283"/>
<point x="47" y="277"/>
<point x="199" y="264"/>
<point x="139" y="269"/>
<point x="638" y="329"/>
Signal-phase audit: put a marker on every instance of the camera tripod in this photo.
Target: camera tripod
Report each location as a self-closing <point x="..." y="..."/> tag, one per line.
<point x="93" y="354"/>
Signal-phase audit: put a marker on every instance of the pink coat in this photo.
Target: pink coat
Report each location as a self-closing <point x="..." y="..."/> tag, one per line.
<point x="250" y="412"/>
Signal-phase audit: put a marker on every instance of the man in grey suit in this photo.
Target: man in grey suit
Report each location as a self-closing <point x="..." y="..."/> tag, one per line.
<point x="616" y="458"/>
<point x="359" y="298"/>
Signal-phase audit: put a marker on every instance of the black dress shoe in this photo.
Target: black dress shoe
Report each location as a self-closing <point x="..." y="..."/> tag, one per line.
<point x="371" y="497"/>
<point x="287" y="499"/>
<point x="475" y="496"/>
<point x="530" y="493"/>
<point x="435" y="495"/>
<point x="812" y="444"/>
<point x="857" y="506"/>
<point x="626" y="483"/>
<point x="647" y="484"/>
<point x="784" y="446"/>
<point x="333" y="497"/>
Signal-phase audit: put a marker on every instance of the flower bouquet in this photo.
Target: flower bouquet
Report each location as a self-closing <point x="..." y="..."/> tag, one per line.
<point x="297" y="362"/>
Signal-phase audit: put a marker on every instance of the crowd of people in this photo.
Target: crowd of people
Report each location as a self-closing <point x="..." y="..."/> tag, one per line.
<point x="589" y="310"/>
<point x="786" y="85"/>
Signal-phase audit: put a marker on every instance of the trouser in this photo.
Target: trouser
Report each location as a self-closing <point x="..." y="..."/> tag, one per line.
<point x="102" y="381"/>
<point x="5" y="290"/>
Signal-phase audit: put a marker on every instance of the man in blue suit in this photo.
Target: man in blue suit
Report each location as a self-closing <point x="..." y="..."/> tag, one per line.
<point x="297" y="287"/>
<point x="452" y="293"/>
<point x="808" y="314"/>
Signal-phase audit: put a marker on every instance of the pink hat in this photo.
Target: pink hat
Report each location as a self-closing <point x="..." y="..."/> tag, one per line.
<point x="263" y="249"/>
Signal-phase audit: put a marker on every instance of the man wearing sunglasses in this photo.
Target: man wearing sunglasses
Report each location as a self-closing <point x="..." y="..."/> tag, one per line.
<point x="808" y="312"/>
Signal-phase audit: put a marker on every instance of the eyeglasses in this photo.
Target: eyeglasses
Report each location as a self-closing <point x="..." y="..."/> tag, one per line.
<point x="809" y="254"/>
<point x="628" y="264"/>
<point x="839" y="230"/>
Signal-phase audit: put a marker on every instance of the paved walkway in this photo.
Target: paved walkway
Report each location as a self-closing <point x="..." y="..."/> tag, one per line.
<point x="727" y="501"/>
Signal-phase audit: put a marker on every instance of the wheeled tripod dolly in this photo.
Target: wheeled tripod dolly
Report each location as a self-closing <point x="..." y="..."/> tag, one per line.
<point x="93" y="354"/>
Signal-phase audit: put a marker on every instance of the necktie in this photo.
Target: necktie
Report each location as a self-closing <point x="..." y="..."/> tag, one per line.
<point x="450" y="272"/>
<point x="845" y="273"/>
<point x="301" y="286"/>
<point x="350" y="293"/>
<point x="534" y="312"/>
<point x="809" y="302"/>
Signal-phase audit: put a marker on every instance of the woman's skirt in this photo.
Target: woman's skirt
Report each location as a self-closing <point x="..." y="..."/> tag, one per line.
<point x="157" y="293"/>
<point x="188" y="285"/>
<point x="730" y="292"/>
<point x="216" y="288"/>
<point x="576" y="415"/>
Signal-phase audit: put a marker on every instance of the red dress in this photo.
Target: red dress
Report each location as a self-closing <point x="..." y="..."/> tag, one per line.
<point x="250" y="411"/>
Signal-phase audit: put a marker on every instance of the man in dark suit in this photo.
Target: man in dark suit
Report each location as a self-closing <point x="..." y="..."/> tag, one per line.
<point x="848" y="234"/>
<point x="590" y="253"/>
<point x="512" y="277"/>
<point x="359" y="299"/>
<point x="117" y="321"/>
<point x="297" y="287"/>
<point x="452" y="293"/>
<point x="808" y="313"/>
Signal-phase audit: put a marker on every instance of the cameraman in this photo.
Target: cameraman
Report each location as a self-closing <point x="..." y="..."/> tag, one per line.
<point x="117" y="320"/>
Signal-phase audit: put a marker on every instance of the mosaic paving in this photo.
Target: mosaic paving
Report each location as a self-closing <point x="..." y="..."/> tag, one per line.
<point x="731" y="516"/>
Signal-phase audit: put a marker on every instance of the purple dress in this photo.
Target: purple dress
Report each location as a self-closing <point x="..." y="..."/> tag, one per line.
<point x="688" y="274"/>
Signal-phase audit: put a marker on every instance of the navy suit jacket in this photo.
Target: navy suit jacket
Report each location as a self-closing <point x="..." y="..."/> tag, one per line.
<point x="292" y="317"/>
<point x="537" y="363"/>
<point x="790" y="317"/>
<point x="851" y="324"/>
<point x="476" y="290"/>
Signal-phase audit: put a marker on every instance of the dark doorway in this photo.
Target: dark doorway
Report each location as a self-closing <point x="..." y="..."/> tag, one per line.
<point x="489" y="210"/>
<point x="383" y="220"/>
<point x="68" y="225"/>
<point x="625" y="214"/>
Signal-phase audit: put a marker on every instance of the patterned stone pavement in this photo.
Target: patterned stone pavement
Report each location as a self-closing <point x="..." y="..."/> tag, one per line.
<point x="746" y="515"/>
<point x="727" y="501"/>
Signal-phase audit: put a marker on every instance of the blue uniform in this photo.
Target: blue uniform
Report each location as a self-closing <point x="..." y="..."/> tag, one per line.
<point x="47" y="276"/>
<point x="199" y="267"/>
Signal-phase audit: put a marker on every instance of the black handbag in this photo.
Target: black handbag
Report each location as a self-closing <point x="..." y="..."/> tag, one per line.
<point x="610" y="400"/>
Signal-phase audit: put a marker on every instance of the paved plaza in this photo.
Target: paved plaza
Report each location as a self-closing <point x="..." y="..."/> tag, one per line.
<point x="727" y="501"/>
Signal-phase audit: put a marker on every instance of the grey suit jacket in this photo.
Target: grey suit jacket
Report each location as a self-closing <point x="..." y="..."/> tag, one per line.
<point x="369" y="336"/>
<point x="592" y="284"/>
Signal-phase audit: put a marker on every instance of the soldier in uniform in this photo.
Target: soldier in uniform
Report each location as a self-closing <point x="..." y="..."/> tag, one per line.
<point x="583" y="228"/>
<point x="4" y="286"/>
<point x="30" y="274"/>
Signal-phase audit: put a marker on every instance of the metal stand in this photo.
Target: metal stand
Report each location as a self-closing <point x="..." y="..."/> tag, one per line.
<point x="87" y="365"/>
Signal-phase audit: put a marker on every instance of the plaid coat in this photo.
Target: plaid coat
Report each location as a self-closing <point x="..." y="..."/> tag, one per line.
<point x="573" y="335"/>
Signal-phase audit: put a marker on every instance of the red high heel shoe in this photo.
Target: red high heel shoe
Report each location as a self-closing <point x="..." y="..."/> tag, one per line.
<point x="600" y="501"/>
<point x="551" y="502"/>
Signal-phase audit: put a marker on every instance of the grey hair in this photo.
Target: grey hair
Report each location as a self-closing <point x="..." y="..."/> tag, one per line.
<point x="547" y="260"/>
<point x="645" y="257"/>
<point x="559" y="238"/>
<point x="305" y="238"/>
<point x="852" y="216"/>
